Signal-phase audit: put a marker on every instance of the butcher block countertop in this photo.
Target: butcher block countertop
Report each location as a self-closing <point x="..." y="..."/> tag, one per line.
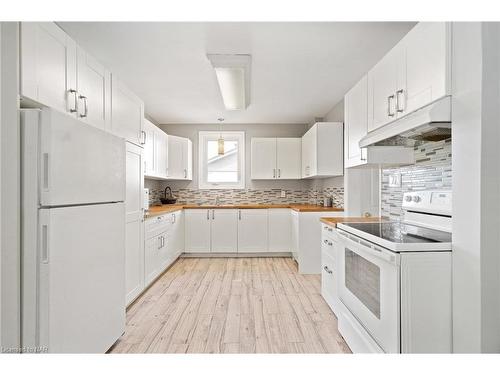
<point x="333" y="221"/>
<point x="167" y="208"/>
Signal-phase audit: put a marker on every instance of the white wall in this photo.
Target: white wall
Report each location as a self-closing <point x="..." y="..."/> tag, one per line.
<point x="476" y="187"/>
<point x="10" y="188"/>
<point x="251" y="130"/>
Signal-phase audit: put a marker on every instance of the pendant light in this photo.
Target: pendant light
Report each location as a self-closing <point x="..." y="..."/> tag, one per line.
<point x="220" y="141"/>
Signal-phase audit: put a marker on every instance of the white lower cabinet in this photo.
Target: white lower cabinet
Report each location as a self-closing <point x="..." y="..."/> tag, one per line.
<point x="306" y="244"/>
<point x="280" y="230"/>
<point x="253" y="230"/>
<point x="329" y="268"/>
<point x="197" y="227"/>
<point x="164" y="243"/>
<point x="224" y="231"/>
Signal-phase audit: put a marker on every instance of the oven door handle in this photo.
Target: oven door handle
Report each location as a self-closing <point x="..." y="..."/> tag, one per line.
<point x="369" y="248"/>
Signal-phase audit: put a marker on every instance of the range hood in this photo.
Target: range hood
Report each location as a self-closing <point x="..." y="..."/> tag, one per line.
<point x="430" y="123"/>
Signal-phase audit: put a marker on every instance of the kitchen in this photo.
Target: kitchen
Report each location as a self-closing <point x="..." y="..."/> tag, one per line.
<point x="240" y="210"/>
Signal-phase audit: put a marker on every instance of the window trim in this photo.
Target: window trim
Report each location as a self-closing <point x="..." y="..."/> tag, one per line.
<point x="203" y="137"/>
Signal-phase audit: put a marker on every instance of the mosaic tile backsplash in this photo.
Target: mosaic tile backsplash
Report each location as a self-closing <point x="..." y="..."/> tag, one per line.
<point x="432" y="170"/>
<point x="234" y="196"/>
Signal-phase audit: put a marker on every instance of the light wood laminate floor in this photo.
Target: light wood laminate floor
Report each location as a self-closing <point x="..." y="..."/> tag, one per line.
<point x="232" y="305"/>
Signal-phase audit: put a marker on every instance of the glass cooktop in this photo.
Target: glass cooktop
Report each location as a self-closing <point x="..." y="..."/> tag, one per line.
<point x="402" y="233"/>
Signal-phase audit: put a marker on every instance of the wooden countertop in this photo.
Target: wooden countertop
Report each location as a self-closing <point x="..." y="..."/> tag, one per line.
<point x="333" y="221"/>
<point x="293" y="206"/>
<point x="167" y="208"/>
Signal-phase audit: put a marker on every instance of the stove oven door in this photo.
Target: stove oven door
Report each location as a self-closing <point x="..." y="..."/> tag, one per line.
<point x="369" y="288"/>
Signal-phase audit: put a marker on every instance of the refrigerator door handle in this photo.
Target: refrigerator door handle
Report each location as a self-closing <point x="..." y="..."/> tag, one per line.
<point x="45" y="244"/>
<point x="46" y="171"/>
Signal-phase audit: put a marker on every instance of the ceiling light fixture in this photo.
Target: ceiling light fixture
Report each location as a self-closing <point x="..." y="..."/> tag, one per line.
<point x="233" y="76"/>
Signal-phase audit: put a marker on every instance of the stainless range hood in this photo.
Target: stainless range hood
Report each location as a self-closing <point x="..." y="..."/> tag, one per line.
<point x="430" y="123"/>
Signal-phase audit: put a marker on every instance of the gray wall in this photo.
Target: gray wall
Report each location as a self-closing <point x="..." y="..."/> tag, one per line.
<point x="251" y="130"/>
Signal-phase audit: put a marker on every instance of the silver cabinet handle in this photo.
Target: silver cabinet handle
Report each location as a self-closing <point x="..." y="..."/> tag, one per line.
<point x="185" y="173"/>
<point x="279" y="172"/>
<point x="208" y="214"/>
<point x="390" y="98"/>
<point x="144" y="136"/>
<point x="327" y="270"/>
<point x="159" y="243"/>
<point x="398" y="94"/>
<point x="274" y="173"/>
<point x="85" y="105"/>
<point x="213" y="214"/>
<point x="173" y="218"/>
<point x="239" y="214"/>
<point x="75" y="96"/>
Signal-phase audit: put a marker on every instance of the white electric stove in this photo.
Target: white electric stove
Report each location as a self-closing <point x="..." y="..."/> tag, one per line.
<point x="395" y="278"/>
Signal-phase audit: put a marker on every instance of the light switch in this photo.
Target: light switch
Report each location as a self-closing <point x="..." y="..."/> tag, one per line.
<point x="283" y="194"/>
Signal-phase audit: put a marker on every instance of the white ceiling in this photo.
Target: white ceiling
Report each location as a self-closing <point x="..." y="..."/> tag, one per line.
<point x="299" y="70"/>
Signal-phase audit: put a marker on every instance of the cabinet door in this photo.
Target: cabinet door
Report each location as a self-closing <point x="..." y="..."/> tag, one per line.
<point x="134" y="219"/>
<point x="176" y="242"/>
<point x="165" y="254"/>
<point x="309" y="152"/>
<point x="152" y="258"/>
<point x="175" y="157"/>
<point x="425" y="70"/>
<point x="295" y="235"/>
<point x="280" y="229"/>
<point x="356" y="122"/>
<point x="263" y="158"/>
<point x="187" y="158"/>
<point x="288" y="158"/>
<point x="252" y="231"/>
<point x="94" y="91"/>
<point x="161" y="153"/>
<point x="127" y="113"/>
<point x="48" y="65"/>
<point x="224" y="231"/>
<point x="197" y="227"/>
<point x="382" y="87"/>
<point x="149" y="149"/>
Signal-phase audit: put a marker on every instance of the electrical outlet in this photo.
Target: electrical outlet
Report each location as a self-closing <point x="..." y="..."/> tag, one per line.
<point x="395" y="180"/>
<point x="283" y="194"/>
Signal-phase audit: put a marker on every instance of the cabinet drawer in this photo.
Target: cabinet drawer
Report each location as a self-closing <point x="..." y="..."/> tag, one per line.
<point x="328" y="230"/>
<point x="156" y="225"/>
<point x="328" y="278"/>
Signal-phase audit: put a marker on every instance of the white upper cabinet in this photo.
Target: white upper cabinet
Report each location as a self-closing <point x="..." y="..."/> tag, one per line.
<point x="322" y="150"/>
<point x="127" y="113"/>
<point x="48" y="66"/>
<point x="356" y="122"/>
<point x="416" y="72"/>
<point x="263" y="158"/>
<point x="425" y="74"/>
<point x="155" y="151"/>
<point x="94" y="91"/>
<point x="275" y="158"/>
<point x="382" y="86"/>
<point x="180" y="158"/>
<point x="288" y="158"/>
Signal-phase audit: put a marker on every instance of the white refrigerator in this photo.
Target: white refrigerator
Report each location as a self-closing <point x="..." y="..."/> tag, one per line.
<point x="73" y="234"/>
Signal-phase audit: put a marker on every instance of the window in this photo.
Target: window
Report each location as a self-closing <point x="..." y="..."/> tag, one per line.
<point x="221" y="171"/>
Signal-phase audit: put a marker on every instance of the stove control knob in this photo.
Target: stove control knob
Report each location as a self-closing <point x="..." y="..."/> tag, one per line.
<point x="416" y="199"/>
<point x="408" y="198"/>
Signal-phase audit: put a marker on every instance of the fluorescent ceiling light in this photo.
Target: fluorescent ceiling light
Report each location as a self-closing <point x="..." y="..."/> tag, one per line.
<point x="233" y="76"/>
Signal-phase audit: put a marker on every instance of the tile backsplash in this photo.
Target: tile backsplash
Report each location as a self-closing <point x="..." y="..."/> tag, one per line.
<point x="237" y="196"/>
<point x="432" y="170"/>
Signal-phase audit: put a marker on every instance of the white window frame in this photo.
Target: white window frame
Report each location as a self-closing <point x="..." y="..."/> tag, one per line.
<point x="203" y="137"/>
